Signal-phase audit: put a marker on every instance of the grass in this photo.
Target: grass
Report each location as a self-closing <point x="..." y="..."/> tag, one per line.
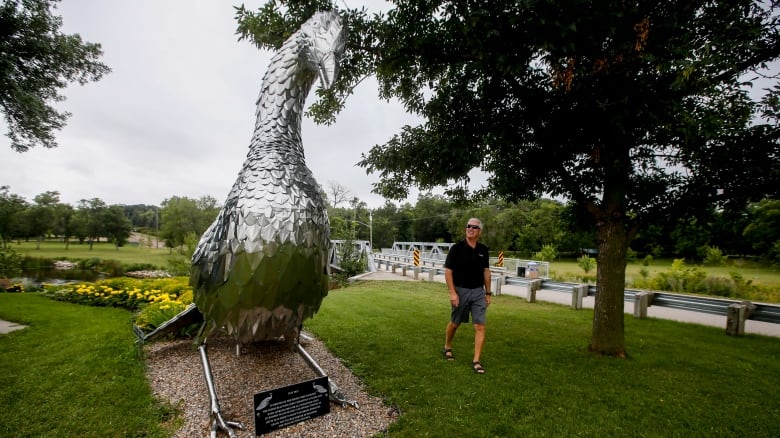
<point x="679" y="380"/>
<point x="129" y="254"/>
<point x="74" y="372"/>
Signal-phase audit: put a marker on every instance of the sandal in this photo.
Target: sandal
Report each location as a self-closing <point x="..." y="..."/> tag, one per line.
<point x="477" y="367"/>
<point x="447" y="353"/>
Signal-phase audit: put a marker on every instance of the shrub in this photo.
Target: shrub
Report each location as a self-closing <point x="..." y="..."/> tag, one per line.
<point x="10" y="263"/>
<point x="128" y="293"/>
<point x="719" y="286"/>
<point x="155" y="314"/>
<point x="140" y="267"/>
<point x="178" y="265"/>
<point x="351" y="261"/>
<point x="630" y="255"/>
<point x="774" y="254"/>
<point x="547" y="254"/>
<point x="680" y="278"/>
<point x="90" y="263"/>
<point x="713" y="256"/>
<point x="112" y="268"/>
<point x="586" y="263"/>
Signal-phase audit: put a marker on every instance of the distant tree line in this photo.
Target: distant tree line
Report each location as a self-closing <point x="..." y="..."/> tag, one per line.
<point x="522" y="228"/>
<point x="526" y="227"/>
<point x="46" y="217"/>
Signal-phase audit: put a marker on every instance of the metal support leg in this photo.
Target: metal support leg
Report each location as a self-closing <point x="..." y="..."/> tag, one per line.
<point x="216" y="412"/>
<point x="335" y="393"/>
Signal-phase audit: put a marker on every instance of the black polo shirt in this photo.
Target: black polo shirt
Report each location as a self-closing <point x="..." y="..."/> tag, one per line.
<point x="468" y="264"/>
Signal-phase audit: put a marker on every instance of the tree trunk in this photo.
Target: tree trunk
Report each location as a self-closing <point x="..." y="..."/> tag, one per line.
<point x="608" y="329"/>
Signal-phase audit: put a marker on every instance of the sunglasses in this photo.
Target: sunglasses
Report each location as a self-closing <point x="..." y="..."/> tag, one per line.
<point x="474" y="227"/>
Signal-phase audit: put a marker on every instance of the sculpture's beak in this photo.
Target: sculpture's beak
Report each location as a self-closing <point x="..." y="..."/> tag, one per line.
<point x="328" y="70"/>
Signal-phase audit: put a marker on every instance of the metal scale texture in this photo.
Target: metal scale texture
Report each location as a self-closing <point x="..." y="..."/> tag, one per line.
<point x="261" y="268"/>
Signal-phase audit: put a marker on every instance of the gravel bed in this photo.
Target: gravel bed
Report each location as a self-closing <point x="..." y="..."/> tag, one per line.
<point x="174" y="371"/>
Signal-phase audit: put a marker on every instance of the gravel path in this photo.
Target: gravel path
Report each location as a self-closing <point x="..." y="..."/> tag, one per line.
<point x="175" y="374"/>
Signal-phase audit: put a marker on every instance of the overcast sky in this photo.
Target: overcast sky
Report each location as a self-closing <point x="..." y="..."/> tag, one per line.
<point x="175" y="116"/>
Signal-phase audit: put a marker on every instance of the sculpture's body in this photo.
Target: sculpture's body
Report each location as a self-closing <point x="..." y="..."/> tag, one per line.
<point x="261" y="268"/>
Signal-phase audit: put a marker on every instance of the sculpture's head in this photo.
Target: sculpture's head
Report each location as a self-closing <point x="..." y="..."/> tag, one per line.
<point x="325" y="36"/>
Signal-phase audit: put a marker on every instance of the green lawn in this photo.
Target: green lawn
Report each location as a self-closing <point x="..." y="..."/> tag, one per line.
<point x="679" y="380"/>
<point x="74" y="372"/>
<point x="129" y="254"/>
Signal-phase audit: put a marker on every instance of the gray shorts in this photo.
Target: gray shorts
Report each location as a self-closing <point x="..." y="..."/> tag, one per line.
<point x="470" y="301"/>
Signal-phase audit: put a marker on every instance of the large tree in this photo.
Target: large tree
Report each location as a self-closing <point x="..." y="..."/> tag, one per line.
<point x="36" y="62"/>
<point x="117" y="227"/>
<point x="183" y="216"/>
<point x="631" y="110"/>
<point x="43" y="217"/>
<point x="88" y="220"/>
<point x="12" y="207"/>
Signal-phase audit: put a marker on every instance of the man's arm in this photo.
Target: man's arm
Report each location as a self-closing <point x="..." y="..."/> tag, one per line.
<point x="454" y="300"/>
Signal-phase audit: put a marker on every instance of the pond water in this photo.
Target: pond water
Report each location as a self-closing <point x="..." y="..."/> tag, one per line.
<point x="51" y="275"/>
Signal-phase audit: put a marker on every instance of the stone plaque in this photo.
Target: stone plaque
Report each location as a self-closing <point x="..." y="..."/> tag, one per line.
<point x="292" y="404"/>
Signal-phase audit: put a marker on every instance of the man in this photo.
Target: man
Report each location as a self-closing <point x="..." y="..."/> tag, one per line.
<point x="467" y="272"/>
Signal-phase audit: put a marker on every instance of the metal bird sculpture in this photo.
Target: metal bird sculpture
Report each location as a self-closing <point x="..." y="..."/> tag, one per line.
<point x="261" y="268"/>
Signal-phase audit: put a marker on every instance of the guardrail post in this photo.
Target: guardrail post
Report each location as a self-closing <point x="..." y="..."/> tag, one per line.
<point x="533" y="286"/>
<point x="737" y="314"/>
<point x="403" y="270"/>
<point x="641" y="301"/>
<point x="735" y="319"/>
<point x="577" y="293"/>
<point x="416" y="270"/>
<point x="497" y="282"/>
<point x="431" y="273"/>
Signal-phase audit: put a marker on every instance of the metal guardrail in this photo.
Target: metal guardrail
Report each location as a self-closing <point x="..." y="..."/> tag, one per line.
<point x="716" y="306"/>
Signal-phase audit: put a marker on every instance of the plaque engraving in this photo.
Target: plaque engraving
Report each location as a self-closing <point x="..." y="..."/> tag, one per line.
<point x="282" y="407"/>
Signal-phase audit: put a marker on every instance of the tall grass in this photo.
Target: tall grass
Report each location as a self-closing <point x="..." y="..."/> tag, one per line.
<point x="74" y="372"/>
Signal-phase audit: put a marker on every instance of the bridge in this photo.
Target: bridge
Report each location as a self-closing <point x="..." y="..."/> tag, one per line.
<point x="361" y="248"/>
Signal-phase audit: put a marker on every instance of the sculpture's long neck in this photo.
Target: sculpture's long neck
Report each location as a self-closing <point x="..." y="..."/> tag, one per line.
<point x="280" y="106"/>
